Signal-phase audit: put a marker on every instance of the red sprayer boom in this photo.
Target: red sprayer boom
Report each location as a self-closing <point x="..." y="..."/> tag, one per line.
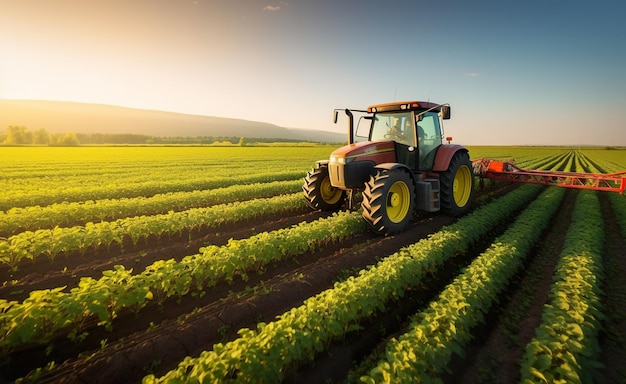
<point x="506" y="171"/>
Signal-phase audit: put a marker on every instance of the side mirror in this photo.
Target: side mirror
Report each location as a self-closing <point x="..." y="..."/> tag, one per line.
<point x="335" y="116"/>
<point x="445" y="112"/>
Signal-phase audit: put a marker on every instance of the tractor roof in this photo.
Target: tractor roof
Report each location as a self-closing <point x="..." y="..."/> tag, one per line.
<point x="402" y="106"/>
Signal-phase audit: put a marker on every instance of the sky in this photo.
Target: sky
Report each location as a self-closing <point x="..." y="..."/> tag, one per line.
<point x="549" y="72"/>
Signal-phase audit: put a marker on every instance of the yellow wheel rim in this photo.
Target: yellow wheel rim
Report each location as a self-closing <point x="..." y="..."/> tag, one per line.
<point x="462" y="186"/>
<point x="398" y="201"/>
<point x="330" y="194"/>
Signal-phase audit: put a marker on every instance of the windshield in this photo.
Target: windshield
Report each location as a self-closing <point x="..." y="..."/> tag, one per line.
<point x="397" y="126"/>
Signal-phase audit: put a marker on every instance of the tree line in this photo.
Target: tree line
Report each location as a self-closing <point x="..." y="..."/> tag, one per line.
<point x="20" y="135"/>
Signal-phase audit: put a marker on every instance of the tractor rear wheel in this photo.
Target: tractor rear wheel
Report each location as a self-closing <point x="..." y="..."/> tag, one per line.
<point x="319" y="191"/>
<point x="388" y="201"/>
<point x="457" y="186"/>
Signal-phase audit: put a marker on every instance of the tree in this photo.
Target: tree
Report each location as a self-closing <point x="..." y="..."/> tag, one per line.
<point x="70" y="139"/>
<point x="18" y="134"/>
<point x="41" y="136"/>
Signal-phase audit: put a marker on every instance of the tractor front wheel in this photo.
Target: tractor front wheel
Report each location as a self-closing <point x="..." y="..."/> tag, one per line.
<point x="388" y="201"/>
<point x="457" y="186"/>
<point x="319" y="191"/>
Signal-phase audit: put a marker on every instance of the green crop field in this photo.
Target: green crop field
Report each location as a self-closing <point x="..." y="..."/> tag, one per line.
<point x="205" y="264"/>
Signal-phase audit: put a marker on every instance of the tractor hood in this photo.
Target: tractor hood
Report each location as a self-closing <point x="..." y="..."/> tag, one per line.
<point x="351" y="166"/>
<point x="381" y="151"/>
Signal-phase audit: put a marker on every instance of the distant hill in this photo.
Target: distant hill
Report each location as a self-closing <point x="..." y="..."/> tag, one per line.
<point x="61" y="116"/>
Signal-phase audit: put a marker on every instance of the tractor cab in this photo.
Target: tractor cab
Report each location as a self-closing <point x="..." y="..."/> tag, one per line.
<point x="407" y="133"/>
<point x="417" y="135"/>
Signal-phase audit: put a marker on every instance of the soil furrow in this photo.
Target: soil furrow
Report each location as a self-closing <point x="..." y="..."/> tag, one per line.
<point x="613" y="336"/>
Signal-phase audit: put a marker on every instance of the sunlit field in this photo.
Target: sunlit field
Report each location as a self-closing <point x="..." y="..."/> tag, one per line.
<point x="183" y="264"/>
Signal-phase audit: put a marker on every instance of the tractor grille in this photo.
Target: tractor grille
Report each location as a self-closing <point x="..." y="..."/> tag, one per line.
<point x="336" y="173"/>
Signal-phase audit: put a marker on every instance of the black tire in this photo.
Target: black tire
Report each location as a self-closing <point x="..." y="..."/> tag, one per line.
<point x="457" y="186"/>
<point x="388" y="201"/>
<point x="320" y="193"/>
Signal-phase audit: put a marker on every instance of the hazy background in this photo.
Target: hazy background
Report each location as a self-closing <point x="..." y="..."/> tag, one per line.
<point x="515" y="72"/>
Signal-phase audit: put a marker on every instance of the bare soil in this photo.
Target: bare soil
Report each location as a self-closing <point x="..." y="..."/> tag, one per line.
<point x="613" y="336"/>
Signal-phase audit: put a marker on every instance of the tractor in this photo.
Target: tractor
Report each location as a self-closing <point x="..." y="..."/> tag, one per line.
<point x="399" y="165"/>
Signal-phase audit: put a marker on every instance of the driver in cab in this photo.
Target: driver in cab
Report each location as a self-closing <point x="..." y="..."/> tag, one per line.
<point x="396" y="133"/>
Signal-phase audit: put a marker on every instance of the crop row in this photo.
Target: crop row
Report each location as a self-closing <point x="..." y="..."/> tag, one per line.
<point x="444" y="327"/>
<point x="586" y="164"/>
<point x="532" y="158"/>
<point x="29" y="169"/>
<point x="618" y="201"/>
<point x="55" y="241"/>
<point x="608" y="161"/>
<point x="112" y="173"/>
<point x="565" y="347"/>
<point x="46" y="312"/>
<point x="297" y="335"/>
<point x="553" y="162"/>
<point x="11" y="198"/>
<point x="64" y="214"/>
<point x="571" y="163"/>
<point x="104" y="161"/>
<point x="529" y="158"/>
<point x="109" y="172"/>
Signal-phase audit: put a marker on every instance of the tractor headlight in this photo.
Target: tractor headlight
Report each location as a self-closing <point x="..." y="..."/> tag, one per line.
<point x="341" y="160"/>
<point x="337" y="159"/>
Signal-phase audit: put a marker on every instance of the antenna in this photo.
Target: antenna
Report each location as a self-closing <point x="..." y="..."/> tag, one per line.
<point x="395" y="93"/>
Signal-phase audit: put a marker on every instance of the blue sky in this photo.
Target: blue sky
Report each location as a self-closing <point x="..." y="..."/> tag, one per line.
<point x="531" y="72"/>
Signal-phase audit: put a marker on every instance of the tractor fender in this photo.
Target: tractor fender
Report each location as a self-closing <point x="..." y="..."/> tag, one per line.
<point x="445" y="154"/>
<point x="321" y="162"/>
<point x="392" y="166"/>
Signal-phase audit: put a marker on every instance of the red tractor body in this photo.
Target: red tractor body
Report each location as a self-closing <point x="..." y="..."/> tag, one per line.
<point x="399" y="163"/>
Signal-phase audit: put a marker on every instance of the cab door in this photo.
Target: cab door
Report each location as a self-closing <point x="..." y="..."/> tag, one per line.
<point x="428" y="140"/>
<point x="406" y="146"/>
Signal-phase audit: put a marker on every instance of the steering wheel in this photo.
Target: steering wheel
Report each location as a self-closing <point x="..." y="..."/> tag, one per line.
<point x="394" y="134"/>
